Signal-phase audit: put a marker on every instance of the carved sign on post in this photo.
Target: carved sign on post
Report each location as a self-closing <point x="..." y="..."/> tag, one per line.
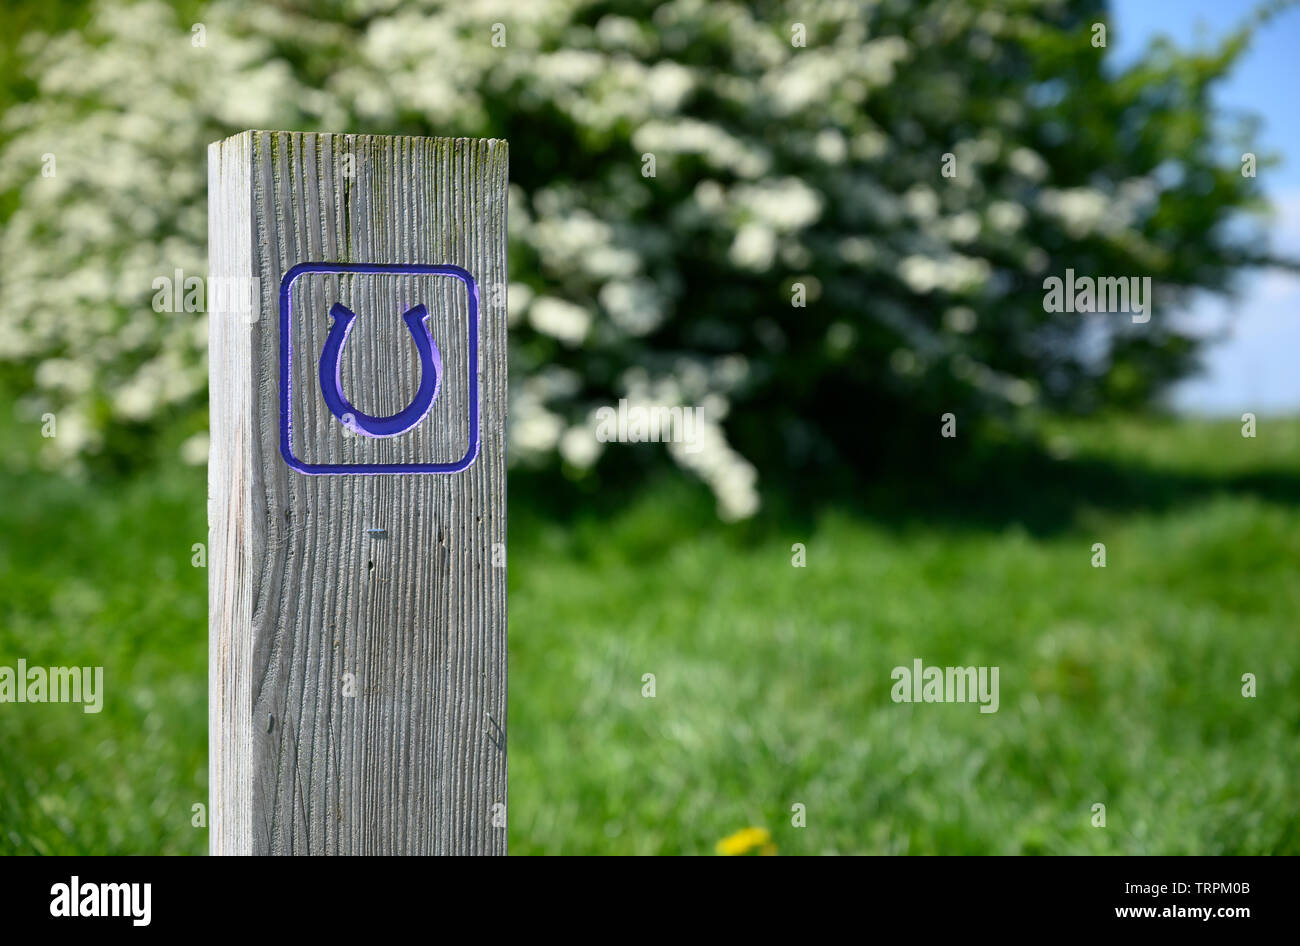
<point x="357" y="495"/>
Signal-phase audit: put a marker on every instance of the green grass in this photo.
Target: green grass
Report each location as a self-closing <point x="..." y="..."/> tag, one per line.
<point x="101" y="576"/>
<point x="1119" y="685"/>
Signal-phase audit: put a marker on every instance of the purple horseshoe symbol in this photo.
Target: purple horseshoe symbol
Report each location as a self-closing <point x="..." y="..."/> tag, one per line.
<point x="331" y="385"/>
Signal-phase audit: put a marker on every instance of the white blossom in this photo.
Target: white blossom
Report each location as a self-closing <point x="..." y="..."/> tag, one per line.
<point x="560" y="319"/>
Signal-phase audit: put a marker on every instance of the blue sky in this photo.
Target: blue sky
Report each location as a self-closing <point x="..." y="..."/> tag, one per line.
<point x="1255" y="369"/>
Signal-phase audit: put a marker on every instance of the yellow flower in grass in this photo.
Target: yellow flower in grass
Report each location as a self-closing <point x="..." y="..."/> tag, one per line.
<point x="745" y="840"/>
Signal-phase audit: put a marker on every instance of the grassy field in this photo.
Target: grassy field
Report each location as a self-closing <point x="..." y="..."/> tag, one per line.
<point x="1119" y="686"/>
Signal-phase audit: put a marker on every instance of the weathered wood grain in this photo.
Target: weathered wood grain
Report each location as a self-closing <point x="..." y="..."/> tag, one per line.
<point x="300" y="594"/>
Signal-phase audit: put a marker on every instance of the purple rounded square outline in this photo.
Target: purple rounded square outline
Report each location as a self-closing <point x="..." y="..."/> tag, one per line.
<point x="286" y="358"/>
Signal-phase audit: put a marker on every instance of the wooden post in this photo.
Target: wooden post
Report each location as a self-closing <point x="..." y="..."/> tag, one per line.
<point x="357" y="585"/>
